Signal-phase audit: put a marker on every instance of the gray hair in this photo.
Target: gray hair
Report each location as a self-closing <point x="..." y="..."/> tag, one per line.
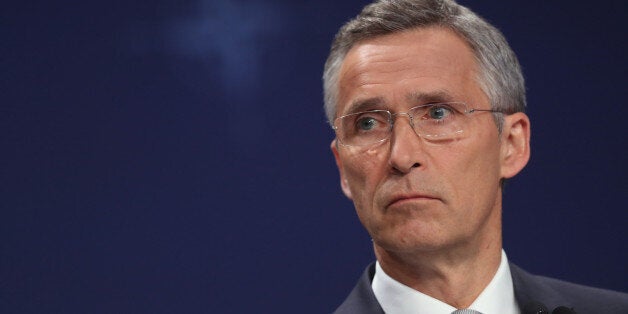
<point x="499" y="74"/>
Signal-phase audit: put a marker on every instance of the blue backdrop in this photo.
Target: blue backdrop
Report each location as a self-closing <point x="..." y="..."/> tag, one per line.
<point x="172" y="156"/>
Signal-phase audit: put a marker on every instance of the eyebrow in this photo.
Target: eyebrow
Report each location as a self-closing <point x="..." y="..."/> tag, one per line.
<point x="441" y="95"/>
<point x="360" y="105"/>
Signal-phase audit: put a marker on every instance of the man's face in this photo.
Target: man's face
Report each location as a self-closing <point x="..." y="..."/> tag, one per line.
<point x="409" y="193"/>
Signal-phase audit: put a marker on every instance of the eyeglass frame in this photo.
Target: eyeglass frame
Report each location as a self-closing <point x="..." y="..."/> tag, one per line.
<point x="392" y="115"/>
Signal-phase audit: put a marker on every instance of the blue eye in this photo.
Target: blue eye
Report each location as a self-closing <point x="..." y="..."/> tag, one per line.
<point x="366" y="124"/>
<point x="439" y="113"/>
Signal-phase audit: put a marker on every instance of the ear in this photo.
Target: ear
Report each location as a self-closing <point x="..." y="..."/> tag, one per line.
<point x="515" y="148"/>
<point x="343" y="180"/>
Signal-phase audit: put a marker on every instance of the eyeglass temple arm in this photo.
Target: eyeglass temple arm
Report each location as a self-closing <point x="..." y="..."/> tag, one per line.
<point x="486" y="110"/>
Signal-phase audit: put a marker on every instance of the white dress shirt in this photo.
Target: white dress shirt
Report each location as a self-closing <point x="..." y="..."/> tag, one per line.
<point x="498" y="296"/>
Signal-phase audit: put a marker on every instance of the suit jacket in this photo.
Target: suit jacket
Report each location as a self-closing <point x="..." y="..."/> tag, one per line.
<point x="528" y="288"/>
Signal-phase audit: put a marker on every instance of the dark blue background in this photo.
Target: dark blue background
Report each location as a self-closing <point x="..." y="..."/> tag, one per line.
<point x="172" y="156"/>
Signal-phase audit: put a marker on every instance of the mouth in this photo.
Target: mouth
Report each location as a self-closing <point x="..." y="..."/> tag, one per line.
<point x="401" y="199"/>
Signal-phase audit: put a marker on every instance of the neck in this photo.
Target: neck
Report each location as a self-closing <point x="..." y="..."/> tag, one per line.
<point x="455" y="276"/>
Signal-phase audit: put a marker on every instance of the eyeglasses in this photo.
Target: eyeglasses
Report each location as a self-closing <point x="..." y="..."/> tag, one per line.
<point x="433" y="122"/>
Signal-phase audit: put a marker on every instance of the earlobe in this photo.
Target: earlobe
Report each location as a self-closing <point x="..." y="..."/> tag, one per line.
<point x="344" y="184"/>
<point x="515" y="148"/>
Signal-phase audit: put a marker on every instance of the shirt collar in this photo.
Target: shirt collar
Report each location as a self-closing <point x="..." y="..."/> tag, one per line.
<point x="396" y="298"/>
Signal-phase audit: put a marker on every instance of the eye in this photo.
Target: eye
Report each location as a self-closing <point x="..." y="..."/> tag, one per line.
<point x="366" y="123"/>
<point x="439" y="112"/>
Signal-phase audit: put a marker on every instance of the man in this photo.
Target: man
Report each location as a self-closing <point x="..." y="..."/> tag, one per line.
<point x="427" y="103"/>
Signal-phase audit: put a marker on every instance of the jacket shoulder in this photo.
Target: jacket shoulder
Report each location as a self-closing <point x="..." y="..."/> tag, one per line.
<point x="362" y="299"/>
<point x="554" y="292"/>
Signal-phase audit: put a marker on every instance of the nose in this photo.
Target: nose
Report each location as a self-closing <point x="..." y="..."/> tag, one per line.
<point x="405" y="146"/>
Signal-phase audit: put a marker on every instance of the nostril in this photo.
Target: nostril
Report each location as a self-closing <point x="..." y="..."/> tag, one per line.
<point x="416" y="165"/>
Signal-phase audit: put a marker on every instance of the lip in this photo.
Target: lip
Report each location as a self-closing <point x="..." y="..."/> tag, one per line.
<point x="399" y="199"/>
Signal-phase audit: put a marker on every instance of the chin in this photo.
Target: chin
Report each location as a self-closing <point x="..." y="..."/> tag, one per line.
<point x="410" y="241"/>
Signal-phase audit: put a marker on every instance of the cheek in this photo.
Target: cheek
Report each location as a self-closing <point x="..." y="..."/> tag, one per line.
<point x="364" y="170"/>
<point x="475" y="177"/>
<point x="468" y="162"/>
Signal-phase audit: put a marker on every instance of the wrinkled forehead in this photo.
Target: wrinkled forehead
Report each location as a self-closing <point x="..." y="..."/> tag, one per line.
<point x="429" y="56"/>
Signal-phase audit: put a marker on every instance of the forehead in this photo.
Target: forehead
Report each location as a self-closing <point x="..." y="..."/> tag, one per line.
<point x="397" y="67"/>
